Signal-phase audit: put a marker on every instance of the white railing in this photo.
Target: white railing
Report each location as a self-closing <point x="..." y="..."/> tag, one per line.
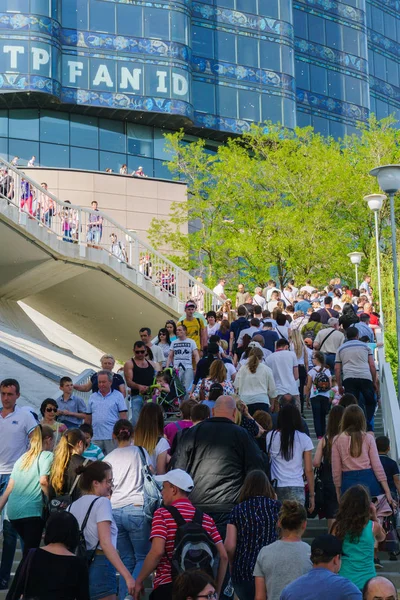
<point x="77" y="225"/>
<point x="389" y="401"/>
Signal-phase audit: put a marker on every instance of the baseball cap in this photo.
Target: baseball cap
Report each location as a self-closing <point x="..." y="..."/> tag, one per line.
<point x="177" y="477"/>
<point x="327" y="545"/>
<point x="190" y="303"/>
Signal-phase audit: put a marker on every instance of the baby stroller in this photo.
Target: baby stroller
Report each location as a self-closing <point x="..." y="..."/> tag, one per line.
<point x="169" y="399"/>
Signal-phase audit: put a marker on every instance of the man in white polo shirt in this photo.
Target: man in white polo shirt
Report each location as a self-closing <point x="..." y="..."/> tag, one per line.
<point x="285" y="370"/>
<point x="104" y="409"/>
<point x="16" y="426"/>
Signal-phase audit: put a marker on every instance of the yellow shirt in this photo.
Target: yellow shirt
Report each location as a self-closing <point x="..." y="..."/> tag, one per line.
<point x="194" y="329"/>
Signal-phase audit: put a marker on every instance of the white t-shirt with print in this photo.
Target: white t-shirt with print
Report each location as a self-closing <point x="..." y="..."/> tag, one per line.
<point x="101" y="511"/>
<point x="183" y="353"/>
<point x="288" y="473"/>
<point x="313" y="373"/>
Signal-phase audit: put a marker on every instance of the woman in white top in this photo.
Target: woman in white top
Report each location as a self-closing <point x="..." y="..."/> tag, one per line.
<point x="255" y="383"/>
<point x="127" y="501"/>
<point x="149" y="434"/>
<point x="317" y="389"/>
<point x="100" y="531"/>
<point x="290" y="453"/>
<point x="298" y="346"/>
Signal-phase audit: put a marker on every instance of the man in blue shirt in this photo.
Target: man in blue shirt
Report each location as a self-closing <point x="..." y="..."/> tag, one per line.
<point x="323" y="581"/>
<point x="302" y="303"/>
<point x="270" y="336"/>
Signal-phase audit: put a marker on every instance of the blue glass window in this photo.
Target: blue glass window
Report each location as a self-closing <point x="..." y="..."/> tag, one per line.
<point x="302" y="75"/>
<point x="285" y="10"/>
<point x="203" y="41"/>
<point x="249" y="105"/>
<point x="336" y="85"/>
<point x="318" y="80"/>
<point x="156" y="23"/>
<point x="379" y="65"/>
<point x="180" y="85"/>
<point x="224" y="3"/>
<point x="333" y="35"/>
<point x="75" y="14"/>
<point x="83" y="158"/>
<point x="24" y="124"/>
<point x="289" y="113"/>
<point x="287" y="59"/>
<point x="40" y="7"/>
<point x="351" y="40"/>
<point x="157" y="81"/>
<point x="134" y="162"/>
<point x="390" y="26"/>
<point x="52" y="155"/>
<point x="204" y="97"/>
<point x="377" y="19"/>
<point x="303" y="119"/>
<point x="112" y="136"/>
<point x="38" y="58"/>
<point x="160" y="144"/>
<point x="382" y="109"/>
<point x="392" y="74"/>
<point x="129" y="20"/>
<point x="102" y="16"/>
<point x="225" y="46"/>
<point x="353" y="90"/>
<point x="3" y="123"/>
<point x="300" y="23"/>
<point x="336" y="130"/>
<point x="110" y="160"/>
<point x="249" y="6"/>
<point x="161" y="171"/>
<point x="247" y="51"/>
<point x="270" y="56"/>
<point x="316" y="29"/>
<point x="269" y="8"/>
<point x="179" y="27"/>
<point x="25" y="150"/>
<point x="103" y="74"/>
<point x="140" y="139"/>
<point x="84" y="131"/>
<point x="18" y="6"/>
<point x="321" y="125"/>
<point x="54" y="127"/>
<point x="226" y="101"/>
<point x="271" y="108"/>
<point x="4" y="149"/>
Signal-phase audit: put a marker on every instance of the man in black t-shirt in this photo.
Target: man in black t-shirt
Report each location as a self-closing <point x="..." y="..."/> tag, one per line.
<point x="327" y="312"/>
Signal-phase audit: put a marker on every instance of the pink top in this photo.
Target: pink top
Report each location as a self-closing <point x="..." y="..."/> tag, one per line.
<point x="343" y="461"/>
<point x="172" y="429"/>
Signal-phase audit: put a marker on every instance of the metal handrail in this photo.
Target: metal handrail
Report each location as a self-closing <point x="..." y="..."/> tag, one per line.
<point x="83" y="377"/>
<point x="389" y="402"/>
<point x="79" y="225"/>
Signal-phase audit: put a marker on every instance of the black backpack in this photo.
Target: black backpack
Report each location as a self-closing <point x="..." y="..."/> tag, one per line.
<point x="321" y="382"/>
<point x="216" y="390"/>
<point x="81" y="550"/>
<point x="193" y="547"/>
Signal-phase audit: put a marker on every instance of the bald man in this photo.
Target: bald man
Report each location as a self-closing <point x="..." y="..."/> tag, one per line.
<point x="379" y="588"/>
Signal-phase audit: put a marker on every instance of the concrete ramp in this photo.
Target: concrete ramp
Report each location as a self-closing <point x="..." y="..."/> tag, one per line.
<point x="83" y="288"/>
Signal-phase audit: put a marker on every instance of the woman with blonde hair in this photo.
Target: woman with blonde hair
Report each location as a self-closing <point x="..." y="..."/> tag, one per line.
<point x="149" y="434"/>
<point x="29" y="482"/>
<point x="255" y="383"/>
<point x="67" y="458"/>
<point x="217" y="374"/>
<point x="298" y="346"/>
<point x="355" y="458"/>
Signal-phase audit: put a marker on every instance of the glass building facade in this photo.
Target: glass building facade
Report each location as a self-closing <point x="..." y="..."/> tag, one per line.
<point x="94" y="84"/>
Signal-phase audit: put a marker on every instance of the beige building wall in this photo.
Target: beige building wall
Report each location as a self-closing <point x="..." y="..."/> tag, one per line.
<point x="130" y="201"/>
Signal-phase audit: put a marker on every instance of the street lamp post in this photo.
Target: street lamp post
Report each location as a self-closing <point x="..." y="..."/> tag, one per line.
<point x="355" y="258"/>
<point x="375" y="202"/>
<point x="389" y="181"/>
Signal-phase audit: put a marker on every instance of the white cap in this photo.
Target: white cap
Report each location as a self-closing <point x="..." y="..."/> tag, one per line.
<point x="177" y="477"/>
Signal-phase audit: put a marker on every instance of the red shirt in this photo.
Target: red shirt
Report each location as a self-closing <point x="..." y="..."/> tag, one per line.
<point x="164" y="527"/>
<point x="373" y="319"/>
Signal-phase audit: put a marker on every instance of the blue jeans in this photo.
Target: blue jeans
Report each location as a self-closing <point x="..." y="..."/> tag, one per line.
<point x="9" y="540"/>
<point x="186" y="376"/>
<point x="133" y="540"/>
<point x="320" y="408"/>
<point x="136" y="407"/>
<point x="102" y="578"/>
<point x="94" y="235"/>
<point x="245" y="590"/>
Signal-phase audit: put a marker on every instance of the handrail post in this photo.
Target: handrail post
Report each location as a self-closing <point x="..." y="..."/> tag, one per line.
<point x="137" y="254"/>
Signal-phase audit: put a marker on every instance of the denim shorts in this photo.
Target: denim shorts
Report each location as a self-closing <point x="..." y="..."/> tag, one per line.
<point x="102" y="578"/>
<point x="291" y="493"/>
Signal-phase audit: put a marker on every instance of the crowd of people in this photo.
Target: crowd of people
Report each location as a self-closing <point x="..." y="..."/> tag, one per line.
<point x="191" y="469"/>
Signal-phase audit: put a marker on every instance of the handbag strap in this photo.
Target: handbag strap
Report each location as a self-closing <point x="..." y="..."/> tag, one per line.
<point x="85" y="520"/>
<point x="270" y="443"/>
<point x="78" y="477"/>
<point x="142" y="456"/>
<point x="325" y="338"/>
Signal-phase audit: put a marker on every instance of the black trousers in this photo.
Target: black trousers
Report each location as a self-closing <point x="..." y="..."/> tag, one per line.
<point x="163" y="592"/>
<point x="30" y="530"/>
<point x="363" y="390"/>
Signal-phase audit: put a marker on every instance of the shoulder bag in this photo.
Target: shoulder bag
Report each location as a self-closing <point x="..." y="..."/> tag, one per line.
<point x="63" y="501"/>
<point x="151" y="491"/>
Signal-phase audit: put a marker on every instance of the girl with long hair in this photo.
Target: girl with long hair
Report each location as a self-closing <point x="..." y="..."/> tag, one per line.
<point x="164" y="343"/>
<point x="298" y="346"/>
<point x="217" y="374"/>
<point x="290" y="452"/>
<point x="100" y="532"/>
<point x="224" y="330"/>
<point x="323" y="459"/>
<point x="320" y="399"/>
<point x="149" y="434"/>
<point x="252" y="525"/>
<point x="127" y="501"/>
<point x="67" y="457"/>
<point x="170" y="326"/>
<point x="358" y="527"/>
<point x="289" y="549"/>
<point x="355" y="458"/>
<point x="29" y="482"/>
<point x="255" y="383"/>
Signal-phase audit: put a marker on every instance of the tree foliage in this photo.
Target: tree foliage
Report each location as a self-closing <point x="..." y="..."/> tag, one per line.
<point x="292" y="200"/>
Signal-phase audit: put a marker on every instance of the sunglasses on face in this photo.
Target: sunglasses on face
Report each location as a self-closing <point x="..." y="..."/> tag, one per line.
<point x="140" y="351"/>
<point x="51" y="410"/>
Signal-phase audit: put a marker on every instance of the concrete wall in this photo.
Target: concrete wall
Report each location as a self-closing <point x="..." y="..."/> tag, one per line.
<point x="131" y="201"/>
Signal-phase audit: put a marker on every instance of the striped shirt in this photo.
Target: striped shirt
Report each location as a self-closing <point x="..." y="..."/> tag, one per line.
<point x="93" y="452"/>
<point x="353" y="356"/>
<point x="164" y="527"/>
<point x="255" y="520"/>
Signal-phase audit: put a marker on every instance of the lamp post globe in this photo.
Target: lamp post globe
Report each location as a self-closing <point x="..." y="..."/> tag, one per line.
<point x="375" y="203"/>
<point x="355" y="259"/>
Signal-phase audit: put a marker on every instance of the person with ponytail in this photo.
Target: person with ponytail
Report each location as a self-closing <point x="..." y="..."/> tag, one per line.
<point x="67" y="457"/>
<point x="255" y="383"/>
<point x="285" y="560"/>
<point x="29" y="480"/>
<point x="127" y="501"/>
<point x="101" y="532"/>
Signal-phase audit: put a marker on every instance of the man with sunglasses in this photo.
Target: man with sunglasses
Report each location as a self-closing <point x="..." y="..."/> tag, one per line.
<point x="139" y="376"/>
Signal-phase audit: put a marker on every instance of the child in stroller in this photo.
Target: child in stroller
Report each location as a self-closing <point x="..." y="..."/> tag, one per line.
<point x="167" y="391"/>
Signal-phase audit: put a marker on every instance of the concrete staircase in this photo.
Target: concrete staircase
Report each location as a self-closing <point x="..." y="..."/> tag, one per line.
<point x="315" y="527"/>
